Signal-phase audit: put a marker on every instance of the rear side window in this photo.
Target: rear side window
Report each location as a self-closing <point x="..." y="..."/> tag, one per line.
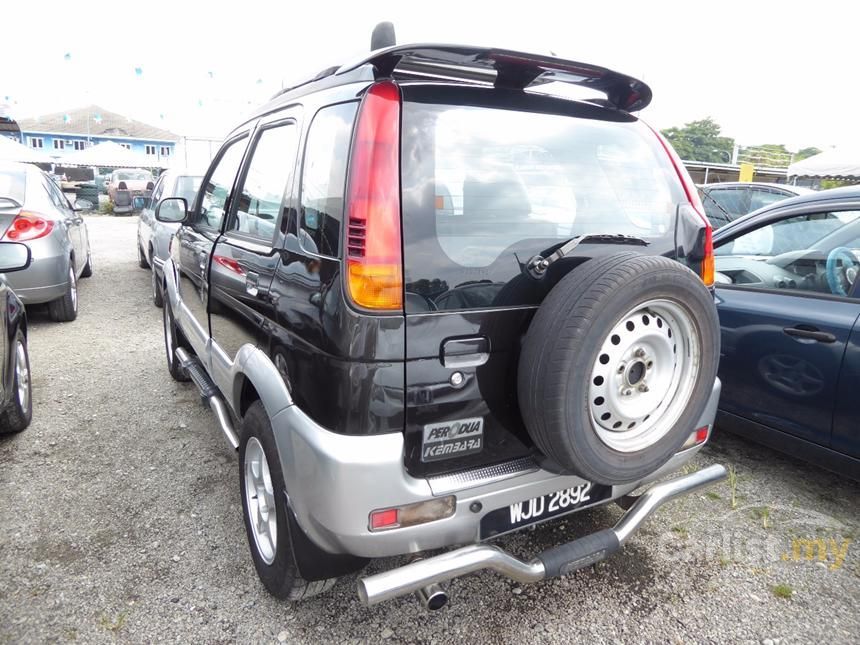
<point x="269" y="175"/>
<point x="13" y="186"/>
<point x="324" y="178"/>
<point x="485" y="189"/>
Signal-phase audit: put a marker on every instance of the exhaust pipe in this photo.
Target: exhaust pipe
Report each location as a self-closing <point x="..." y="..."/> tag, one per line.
<point x="433" y="597"/>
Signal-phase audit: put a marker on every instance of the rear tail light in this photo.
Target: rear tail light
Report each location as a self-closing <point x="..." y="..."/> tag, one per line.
<point x="28" y="226"/>
<point x="707" y="270"/>
<point x="374" y="257"/>
<point x="412" y="514"/>
<point x="708" y="259"/>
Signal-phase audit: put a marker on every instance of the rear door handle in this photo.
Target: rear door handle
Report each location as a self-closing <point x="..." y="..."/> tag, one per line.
<point x="812" y="333"/>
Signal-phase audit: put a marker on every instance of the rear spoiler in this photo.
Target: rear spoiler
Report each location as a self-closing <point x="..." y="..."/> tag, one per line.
<point x="502" y="68"/>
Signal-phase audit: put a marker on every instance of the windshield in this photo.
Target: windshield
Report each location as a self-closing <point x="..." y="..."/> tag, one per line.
<point x="133" y="175"/>
<point x="187" y="187"/>
<point x="485" y="188"/>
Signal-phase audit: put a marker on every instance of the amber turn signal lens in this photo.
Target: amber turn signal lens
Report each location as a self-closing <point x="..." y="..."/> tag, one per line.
<point x="708" y="260"/>
<point x="376" y="286"/>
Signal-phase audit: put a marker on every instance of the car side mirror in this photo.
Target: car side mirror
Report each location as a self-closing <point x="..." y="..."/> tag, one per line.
<point x="14" y="256"/>
<point x="172" y="210"/>
<point x="139" y="203"/>
<point x="83" y="205"/>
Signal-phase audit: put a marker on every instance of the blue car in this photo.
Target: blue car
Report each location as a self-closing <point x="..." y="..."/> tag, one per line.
<point x="788" y="297"/>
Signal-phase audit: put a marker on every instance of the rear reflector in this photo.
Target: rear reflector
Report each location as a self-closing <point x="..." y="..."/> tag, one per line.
<point x="28" y="226"/>
<point x="386" y="519"/>
<point x="412" y="514"/>
<point x="698" y="437"/>
<point x="374" y="256"/>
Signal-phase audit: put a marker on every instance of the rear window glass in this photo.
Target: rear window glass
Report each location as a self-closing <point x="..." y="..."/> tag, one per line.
<point x="324" y="178"/>
<point x="485" y="189"/>
<point x="13" y="186"/>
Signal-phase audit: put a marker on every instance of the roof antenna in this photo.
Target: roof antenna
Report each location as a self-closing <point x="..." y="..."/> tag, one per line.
<point x="383" y="36"/>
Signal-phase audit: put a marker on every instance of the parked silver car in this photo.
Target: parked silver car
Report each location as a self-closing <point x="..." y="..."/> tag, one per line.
<point x="153" y="237"/>
<point x="34" y="210"/>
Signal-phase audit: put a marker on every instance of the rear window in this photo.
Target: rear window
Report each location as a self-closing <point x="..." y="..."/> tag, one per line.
<point x="13" y="186"/>
<point x="484" y="189"/>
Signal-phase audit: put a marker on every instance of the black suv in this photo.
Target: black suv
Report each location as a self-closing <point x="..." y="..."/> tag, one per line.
<point x="432" y="302"/>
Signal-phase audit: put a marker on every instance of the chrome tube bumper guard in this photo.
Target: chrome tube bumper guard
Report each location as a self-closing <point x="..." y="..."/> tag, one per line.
<point x="557" y="561"/>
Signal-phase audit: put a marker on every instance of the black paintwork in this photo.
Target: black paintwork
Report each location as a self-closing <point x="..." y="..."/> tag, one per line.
<point x="358" y="373"/>
<point x="794" y="393"/>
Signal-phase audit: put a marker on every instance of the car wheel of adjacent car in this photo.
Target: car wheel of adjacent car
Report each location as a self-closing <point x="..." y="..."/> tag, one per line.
<point x="87" y="271"/>
<point x="157" y="296"/>
<point x="141" y="257"/>
<point x="171" y="344"/>
<point x="265" y="510"/>
<point x="65" y="308"/>
<point x="618" y="366"/>
<point x="19" y="413"/>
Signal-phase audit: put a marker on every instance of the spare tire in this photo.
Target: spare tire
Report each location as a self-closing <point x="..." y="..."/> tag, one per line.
<point x="618" y="365"/>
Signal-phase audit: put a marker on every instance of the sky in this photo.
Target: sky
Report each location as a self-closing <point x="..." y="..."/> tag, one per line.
<point x="766" y="72"/>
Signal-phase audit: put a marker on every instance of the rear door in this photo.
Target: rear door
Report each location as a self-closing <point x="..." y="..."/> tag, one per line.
<point x="486" y="186"/>
<point x="784" y="326"/>
<point x="246" y="255"/>
<point x="195" y="240"/>
<point x="71" y="219"/>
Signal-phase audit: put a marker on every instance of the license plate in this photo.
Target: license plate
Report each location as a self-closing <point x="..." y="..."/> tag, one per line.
<point x="539" y="509"/>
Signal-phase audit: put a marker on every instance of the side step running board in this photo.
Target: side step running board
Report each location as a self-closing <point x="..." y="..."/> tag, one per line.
<point x="557" y="561"/>
<point x="210" y="394"/>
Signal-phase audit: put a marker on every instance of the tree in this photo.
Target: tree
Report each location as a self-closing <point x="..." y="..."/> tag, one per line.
<point x="773" y="155"/>
<point x="805" y="153"/>
<point x="701" y="141"/>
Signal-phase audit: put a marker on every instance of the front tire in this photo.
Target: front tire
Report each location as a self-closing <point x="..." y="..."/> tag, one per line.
<point x="171" y="344"/>
<point x="157" y="296"/>
<point x="141" y="257"/>
<point x="65" y="308"/>
<point x="87" y="271"/>
<point x="265" y="511"/>
<point x="18" y="415"/>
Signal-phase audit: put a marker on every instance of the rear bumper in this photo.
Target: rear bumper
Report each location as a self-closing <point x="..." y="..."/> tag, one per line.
<point x="554" y="562"/>
<point x="335" y="481"/>
<point x="47" y="277"/>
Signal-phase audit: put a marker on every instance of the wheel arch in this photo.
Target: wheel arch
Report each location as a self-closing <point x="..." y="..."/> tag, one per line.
<point x="256" y="378"/>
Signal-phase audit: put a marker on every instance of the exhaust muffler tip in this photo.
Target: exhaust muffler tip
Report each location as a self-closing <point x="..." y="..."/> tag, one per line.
<point x="433" y="597"/>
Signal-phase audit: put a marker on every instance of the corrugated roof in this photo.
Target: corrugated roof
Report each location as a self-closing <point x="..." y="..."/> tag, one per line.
<point x="103" y="123"/>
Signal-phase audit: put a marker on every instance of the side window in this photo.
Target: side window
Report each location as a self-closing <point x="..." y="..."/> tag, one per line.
<point x="157" y="191"/>
<point x="735" y="201"/>
<point x="324" y="179"/>
<point x="759" y="198"/>
<point x="270" y="172"/>
<point x="217" y="189"/>
<point x="57" y="198"/>
<point x="819" y="252"/>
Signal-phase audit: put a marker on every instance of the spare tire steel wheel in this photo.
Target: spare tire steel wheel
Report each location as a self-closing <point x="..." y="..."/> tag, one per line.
<point x="618" y="366"/>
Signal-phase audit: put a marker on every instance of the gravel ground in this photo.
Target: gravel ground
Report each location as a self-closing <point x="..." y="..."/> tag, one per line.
<point x="120" y="519"/>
